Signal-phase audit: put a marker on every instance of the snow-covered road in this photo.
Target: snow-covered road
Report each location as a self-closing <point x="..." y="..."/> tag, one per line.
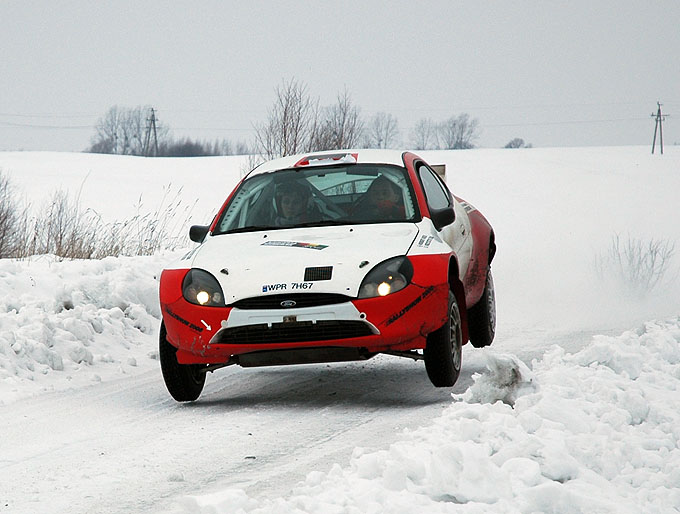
<point x="126" y="446"/>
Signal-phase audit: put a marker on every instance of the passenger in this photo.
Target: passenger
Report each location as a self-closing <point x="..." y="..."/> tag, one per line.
<point x="382" y="200"/>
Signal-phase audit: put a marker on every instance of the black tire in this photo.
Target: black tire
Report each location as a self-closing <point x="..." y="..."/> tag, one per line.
<point x="482" y="316"/>
<point x="444" y="349"/>
<point x="184" y="381"/>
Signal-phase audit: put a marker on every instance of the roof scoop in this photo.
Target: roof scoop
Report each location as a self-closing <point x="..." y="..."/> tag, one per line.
<point x="327" y="159"/>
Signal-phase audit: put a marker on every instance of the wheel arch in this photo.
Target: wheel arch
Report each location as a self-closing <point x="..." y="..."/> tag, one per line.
<point x="492" y="246"/>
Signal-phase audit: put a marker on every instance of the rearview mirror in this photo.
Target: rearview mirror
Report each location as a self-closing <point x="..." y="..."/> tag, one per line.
<point x="197" y="233"/>
<point x="443" y="217"/>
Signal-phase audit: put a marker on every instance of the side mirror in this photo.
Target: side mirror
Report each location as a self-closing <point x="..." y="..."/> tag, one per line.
<point x="197" y="233"/>
<point x="443" y="217"/>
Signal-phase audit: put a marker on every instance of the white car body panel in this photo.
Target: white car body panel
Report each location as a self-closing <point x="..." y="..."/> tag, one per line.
<point x="454" y="237"/>
<point x="273" y="262"/>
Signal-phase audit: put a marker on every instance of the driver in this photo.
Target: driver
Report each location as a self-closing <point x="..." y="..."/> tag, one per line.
<point x="294" y="204"/>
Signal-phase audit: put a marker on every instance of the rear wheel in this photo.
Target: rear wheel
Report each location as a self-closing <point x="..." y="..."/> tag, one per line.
<point x="184" y="381"/>
<point x="482" y="316"/>
<point x="444" y="349"/>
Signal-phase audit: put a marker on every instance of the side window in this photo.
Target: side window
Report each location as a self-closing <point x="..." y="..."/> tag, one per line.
<point x="437" y="196"/>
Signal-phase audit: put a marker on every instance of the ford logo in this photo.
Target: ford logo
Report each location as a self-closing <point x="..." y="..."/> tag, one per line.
<point x="288" y="303"/>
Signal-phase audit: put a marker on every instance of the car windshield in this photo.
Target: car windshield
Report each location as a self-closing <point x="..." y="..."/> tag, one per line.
<point x="319" y="196"/>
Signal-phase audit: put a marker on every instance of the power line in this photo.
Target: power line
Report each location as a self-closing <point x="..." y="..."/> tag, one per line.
<point x="50" y="115"/>
<point x="225" y="110"/>
<point x="505" y="107"/>
<point x="248" y="129"/>
<point x="31" y="125"/>
<point x="221" y="129"/>
<point x="568" y="122"/>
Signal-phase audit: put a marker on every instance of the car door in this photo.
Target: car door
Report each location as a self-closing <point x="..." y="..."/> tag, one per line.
<point x="457" y="234"/>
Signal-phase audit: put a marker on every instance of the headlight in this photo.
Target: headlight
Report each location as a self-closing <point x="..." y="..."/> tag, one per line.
<point x="201" y="288"/>
<point x="387" y="277"/>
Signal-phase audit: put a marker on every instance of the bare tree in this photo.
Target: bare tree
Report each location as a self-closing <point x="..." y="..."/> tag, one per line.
<point x="121" y="131"/>
<point x="425" y="135"/>
<point x="340" y="125"/>
<point x="230" y="148"/>
<point x="296" y="123"/>
<point x="458" y="133"/>
<point x="634" y="265"/>
<point x="517" y="142"/>
<point x="290" y="122"/>
<point x="382" y="131"/>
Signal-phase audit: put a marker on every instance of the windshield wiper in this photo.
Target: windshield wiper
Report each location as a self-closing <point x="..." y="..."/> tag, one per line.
<point x="249" y="228"/>
<point x="323" y="223"/>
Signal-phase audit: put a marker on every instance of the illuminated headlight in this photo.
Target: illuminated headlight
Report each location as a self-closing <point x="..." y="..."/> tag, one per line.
<point x="387" y="277"/>
<point x="201" y="288"/>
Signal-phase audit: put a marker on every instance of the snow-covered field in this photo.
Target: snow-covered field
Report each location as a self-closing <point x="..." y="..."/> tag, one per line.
<point x="575" y="408"/>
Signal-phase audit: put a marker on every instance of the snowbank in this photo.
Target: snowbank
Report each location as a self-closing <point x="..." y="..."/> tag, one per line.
<point x="593" y="431"/>
<point x="66" y="324"/>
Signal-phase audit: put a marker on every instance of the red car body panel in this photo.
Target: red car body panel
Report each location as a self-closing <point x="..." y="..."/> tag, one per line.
<point x="482" y="254"/>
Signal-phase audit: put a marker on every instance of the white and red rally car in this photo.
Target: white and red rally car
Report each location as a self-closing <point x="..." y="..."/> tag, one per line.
<point x="334" y="256"/>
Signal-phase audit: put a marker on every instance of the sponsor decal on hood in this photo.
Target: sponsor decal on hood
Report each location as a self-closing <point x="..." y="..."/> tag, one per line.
<point x="295" y="244"/>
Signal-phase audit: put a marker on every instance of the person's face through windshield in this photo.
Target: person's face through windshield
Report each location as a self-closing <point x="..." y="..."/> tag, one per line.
<point x="292" y="204"/>
<point x="383" y="194"/>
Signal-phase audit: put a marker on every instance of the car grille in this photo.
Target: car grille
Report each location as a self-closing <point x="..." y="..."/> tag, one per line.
<point x="300" y="299"/>
<point x="303" y="331"/>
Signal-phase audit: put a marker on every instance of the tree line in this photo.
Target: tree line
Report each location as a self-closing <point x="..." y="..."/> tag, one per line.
<point x="295" y="123"/>
<point x="124" y="131"/>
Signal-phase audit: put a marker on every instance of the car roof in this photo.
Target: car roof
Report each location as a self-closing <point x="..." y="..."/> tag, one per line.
<point x="331" y="157"/>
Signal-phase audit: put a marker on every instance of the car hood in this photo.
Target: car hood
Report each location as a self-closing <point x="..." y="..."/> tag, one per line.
<point x="274" y="262"/>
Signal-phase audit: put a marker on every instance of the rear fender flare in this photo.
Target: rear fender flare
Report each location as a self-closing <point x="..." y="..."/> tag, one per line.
<point x="483" y="252"/>
<point x="459" y="292"/>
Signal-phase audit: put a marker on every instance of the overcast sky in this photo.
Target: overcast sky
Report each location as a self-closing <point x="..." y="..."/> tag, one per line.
<point x="555" y="73"/>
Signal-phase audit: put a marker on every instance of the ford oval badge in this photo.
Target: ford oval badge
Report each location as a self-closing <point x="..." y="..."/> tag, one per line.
<point x="288" y="303"/>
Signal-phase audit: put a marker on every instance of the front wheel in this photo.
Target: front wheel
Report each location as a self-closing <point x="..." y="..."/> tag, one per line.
<point x="184" y="381"/>
<point x="482" y="316"/>
<point x="444" y="349"/>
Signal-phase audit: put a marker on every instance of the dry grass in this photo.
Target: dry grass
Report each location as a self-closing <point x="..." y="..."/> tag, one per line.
<point x="63" y="228"/>
<point x="13" y="220"/>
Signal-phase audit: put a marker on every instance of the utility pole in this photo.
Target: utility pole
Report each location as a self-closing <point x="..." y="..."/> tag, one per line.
<point x="151" y="125"/>
<point x="658" y="126"/>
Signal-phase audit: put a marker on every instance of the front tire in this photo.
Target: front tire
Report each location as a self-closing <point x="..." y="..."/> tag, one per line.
<point x="482" y="316"/>
<point x="444" y="350"/>
<point x="184" y="381"/>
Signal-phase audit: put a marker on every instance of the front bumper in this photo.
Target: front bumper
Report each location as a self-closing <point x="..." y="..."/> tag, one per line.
<point x="398" y="322"/>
